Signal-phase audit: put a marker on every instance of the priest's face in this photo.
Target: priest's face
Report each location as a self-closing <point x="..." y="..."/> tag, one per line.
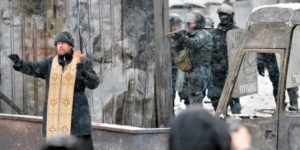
<point x="63" y="48"/>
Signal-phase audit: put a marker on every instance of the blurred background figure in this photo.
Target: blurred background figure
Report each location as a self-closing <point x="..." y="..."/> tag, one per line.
<point x="196" y="129"/>
<point x="63" y="142"/>
<point x="241" y="138"/>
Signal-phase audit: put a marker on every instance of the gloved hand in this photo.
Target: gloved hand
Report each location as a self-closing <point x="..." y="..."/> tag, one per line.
<point x="15" y="59"/>
<point x="185" y="32"/>
<point x="261" y="69"/>
<point x="178" y="35"/>
<point x="80" y="69"/>
<point x="183" y="40"/>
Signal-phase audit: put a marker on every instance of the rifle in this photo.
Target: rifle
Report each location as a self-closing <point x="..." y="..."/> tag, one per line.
<point x="184" y="32"/>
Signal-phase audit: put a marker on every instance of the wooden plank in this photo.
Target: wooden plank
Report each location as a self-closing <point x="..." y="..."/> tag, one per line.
<point x="17" y="49"/>
<point x="106" y="30"/>
<point x="87" y="33"/>
<point x="109" y="64"/>
<point x="29" y="55"/>
<point x="79" y="24"/>
<point x="1" y="55"/>
<point x="1" y="21"/>
<point x="73" y="17"/>
<point x="139" y="30"/>
<point x="109" y="24"/>
<point x="84" y="24"/>
<point x="129" y="99"/>
<point x="163" y="64"/>
<point x="85" y="37"/>
<point x="6" y="46"/>
<point x="128" y="86"/>
<point x="96" y="17"/>
<point x="41" y="37"/>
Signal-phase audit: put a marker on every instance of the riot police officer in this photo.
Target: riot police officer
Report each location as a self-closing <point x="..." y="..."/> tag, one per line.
<point x="219" y="60"/>
<point x="268" y="61"/>
<point x="175" y="21"/>
<point x="198" y="43"/>
<point x="175" y="25"/>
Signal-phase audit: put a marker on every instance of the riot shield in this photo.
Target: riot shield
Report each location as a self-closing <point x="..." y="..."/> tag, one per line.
<point x="293" y="76"/>
<point x="247" y="78"/>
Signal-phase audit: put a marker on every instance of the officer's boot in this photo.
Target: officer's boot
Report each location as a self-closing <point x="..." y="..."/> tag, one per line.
<point x="184" y="96"/>
<point x="196" y="99"/>
<point x="235" y="106"/>
<point x="187" y="101"/>
<point x="293" y="95"/>
<point x="214" y="102"/>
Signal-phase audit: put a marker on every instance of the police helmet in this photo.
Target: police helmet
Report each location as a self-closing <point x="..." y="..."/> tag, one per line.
<point x="225" y="8"/>
<point x="195" y="17"/>
<point x="209" y="22"/>
<point x="174" y="18"/>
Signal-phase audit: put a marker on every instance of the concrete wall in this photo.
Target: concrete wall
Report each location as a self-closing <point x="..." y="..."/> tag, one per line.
<point x="24" y="133"/>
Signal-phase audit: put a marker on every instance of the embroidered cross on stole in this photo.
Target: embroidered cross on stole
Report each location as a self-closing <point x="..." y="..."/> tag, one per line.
<point x="60" y="98"/>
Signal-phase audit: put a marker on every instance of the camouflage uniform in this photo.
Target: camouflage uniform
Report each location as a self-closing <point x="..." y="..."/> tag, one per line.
<point x="183" y="94"/>
<point x="174" y="20"/>
<point x="199" y="46"/>
<point x="176" y="47"/>
<point x="268" y="61"/>
<point x="198" y="43"/>
<point x="219" y="64"/>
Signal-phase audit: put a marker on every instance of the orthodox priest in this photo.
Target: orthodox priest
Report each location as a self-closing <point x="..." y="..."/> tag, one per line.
<point x="66" y="109"/>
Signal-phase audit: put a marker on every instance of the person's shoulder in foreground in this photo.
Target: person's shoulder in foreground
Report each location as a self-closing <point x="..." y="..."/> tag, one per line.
<point x="196" y="129"/>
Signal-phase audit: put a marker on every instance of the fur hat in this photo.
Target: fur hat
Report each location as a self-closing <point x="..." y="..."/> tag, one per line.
<point x="64" y="37"/>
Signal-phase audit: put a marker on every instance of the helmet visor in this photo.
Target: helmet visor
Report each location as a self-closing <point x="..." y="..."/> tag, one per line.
<point x="190" y="17"/>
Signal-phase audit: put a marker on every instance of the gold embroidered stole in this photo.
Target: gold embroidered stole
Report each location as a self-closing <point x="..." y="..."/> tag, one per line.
<point x="60" y="98"/>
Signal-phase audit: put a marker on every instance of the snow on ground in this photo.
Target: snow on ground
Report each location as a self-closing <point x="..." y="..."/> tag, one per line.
<point x="263" y="100"/>
<point x="262" y="103"/>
